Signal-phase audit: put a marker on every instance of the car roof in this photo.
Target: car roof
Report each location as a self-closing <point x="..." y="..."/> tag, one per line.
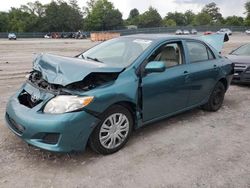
<point x="161" y="36"/>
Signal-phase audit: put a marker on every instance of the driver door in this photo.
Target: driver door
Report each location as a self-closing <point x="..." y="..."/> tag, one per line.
<point x="165" y="93"/>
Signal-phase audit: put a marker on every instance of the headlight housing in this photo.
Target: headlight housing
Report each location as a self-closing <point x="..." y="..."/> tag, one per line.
<point x="66" y="103"/>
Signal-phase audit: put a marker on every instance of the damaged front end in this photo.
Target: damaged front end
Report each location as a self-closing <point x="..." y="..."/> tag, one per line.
<point x="63" y="77"/>
<point x="63" y="71"/>
<point x="38" y="112"/>
<point x="92" y="81"/>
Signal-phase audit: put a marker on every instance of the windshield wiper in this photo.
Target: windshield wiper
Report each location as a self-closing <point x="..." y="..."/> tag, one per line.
<point x="94" y="59"/>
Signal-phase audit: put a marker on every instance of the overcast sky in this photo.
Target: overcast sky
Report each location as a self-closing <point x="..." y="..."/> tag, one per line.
<point x="228" y="7"/>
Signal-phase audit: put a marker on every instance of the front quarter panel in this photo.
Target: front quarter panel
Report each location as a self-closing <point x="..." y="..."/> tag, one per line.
<point x="124" y="89"/>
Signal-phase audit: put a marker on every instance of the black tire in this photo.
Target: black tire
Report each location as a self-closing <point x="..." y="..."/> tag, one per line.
<point x="94" y="140"/>
<point x="216" y="98"/>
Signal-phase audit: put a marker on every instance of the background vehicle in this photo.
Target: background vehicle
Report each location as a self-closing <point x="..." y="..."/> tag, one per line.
<point x="122" y="84"/>
<point x="55" y="35"/>
<point x="178" y="32"/>
<point x="81" y="35"/>
<point x="48" y="36"/>
<point x="208" y="32"/>
<point x="241" y="59"/>
<point x="12" y="36"/>
<point x="67" y="35"/>
<point x="186" y="32"/>
<point x="194" y="31"/>
<point x="225" y="30"/>
<point x="247" y="32"/>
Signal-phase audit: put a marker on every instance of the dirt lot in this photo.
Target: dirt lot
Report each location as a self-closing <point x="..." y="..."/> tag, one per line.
<point x="194" y="149"/>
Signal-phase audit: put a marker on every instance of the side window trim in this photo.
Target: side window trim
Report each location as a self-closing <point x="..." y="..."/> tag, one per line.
<point x="211" y="52"/>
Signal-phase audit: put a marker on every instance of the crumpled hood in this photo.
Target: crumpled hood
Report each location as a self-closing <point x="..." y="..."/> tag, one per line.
<point x="66" y="70"/>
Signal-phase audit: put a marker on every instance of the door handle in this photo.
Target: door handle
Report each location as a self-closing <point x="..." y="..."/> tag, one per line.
<point x="215" y="66"/>
<point x="185" y="72"/>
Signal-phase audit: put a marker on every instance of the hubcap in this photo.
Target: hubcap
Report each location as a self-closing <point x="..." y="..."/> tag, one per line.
<point x="114" y="130"/>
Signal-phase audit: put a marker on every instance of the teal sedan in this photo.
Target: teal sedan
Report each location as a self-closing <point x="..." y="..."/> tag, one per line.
<point x="100" y="96"/>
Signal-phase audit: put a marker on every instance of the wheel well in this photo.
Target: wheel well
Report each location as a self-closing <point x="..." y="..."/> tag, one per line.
<point x="224" y="82"/>
<point x="131" y="107"/>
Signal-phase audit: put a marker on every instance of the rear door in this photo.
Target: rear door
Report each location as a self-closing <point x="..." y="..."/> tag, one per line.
<point x="203" y="71"/>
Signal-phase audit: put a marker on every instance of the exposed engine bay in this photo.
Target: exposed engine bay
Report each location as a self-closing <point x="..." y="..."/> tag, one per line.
<point x="91" y="81"/>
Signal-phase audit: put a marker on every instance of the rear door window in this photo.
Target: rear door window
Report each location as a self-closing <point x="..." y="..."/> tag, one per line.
<point x="198" y="52"/>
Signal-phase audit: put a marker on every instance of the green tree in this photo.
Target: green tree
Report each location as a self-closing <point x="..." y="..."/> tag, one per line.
<point x="150" y="18"/>
<point x="133" y="13"/>
<point x="189" y="17"/>
<point x="61" y="16"/>
<point x="75" y="15"/>
<point x="214" y="12"/>
<point x="203" y="18"/>
<point x="4" y="21"/>
<point x="133" y="18"/>
<point x="113" y="20"/>
<point x="169" y="22"/>
<point x="234" y="20"/>
<point x="20" y="21"/>
<point x="178" y="17"/>
<point x="101" y="15"/>
<point x="247" y="7"/>
<point x="34" y="8"/>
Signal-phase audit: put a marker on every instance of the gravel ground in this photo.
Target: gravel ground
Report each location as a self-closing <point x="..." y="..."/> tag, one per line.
<point x="194" y="149"/>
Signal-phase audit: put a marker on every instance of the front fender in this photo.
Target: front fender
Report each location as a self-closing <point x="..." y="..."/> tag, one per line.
<point x="125" y="88"/>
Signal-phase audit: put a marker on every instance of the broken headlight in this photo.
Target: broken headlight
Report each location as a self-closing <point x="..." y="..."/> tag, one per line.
<point x="66" y="103"/>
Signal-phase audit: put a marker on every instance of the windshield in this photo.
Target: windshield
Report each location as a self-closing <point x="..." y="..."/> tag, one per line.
<point x="243" y="50"/>
<point x="119" y="52"/>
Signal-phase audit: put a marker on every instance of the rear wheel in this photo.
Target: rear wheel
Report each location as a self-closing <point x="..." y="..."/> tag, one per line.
<point x="216" y="98"/>
<point x="112" y="133"/>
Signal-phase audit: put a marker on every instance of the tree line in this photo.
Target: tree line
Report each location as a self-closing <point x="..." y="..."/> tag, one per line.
<point x="100" y="15"/>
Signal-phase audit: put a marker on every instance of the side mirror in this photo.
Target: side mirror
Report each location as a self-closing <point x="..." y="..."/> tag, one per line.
<point x="155" y="66"/>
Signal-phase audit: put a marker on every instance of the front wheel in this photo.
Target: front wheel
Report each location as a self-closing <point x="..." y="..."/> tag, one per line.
<point x="112" y="133"/>
<point x="216" y="98"/>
